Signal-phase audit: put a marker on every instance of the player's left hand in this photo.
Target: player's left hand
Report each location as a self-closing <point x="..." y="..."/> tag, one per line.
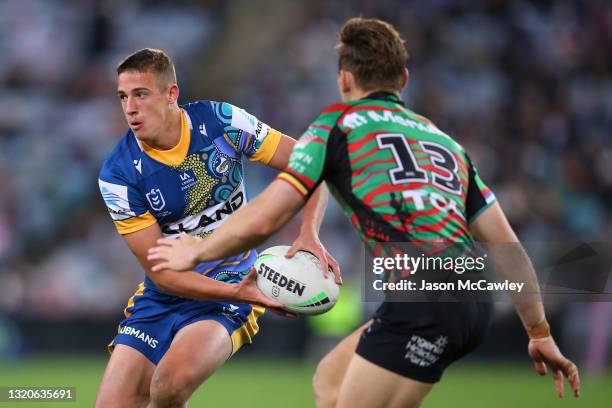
<point x="177" y="254"/>
<point x="310" y="242"/>
<point x="545" y="353"/>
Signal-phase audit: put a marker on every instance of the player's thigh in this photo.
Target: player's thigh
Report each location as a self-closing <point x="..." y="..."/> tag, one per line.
<point x="126" y="380"/>
<point x="195" y="353"/>
<point x="367" y="385"/>
<point x="330" y="370"/>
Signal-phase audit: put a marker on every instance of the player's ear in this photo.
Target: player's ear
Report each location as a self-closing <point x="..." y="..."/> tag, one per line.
<point x="406" y="78"/>
<point x="173" y="94"/>
<point x="346" y="81"/>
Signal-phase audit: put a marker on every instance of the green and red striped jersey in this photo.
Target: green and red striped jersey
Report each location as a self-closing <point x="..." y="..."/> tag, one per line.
<point x="398" y="177"/>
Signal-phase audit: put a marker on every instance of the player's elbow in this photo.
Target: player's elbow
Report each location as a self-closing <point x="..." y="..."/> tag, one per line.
<point x="163" y="281"/>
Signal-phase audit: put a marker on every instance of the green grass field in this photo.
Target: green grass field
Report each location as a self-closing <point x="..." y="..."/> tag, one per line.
<point x="286" y="384"/>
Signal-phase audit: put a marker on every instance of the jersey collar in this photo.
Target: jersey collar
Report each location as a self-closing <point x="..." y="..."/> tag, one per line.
<point x="384" y="96"/>
<point x="176" y="155"/>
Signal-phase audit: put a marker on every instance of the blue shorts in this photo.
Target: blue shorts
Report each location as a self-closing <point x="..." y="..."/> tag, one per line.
<point x="153" y="319"/>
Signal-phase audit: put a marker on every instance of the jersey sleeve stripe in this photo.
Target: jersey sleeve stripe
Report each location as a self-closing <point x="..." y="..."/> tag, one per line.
<point x="489" y="197"/>
<point x="134" y="224"/>
<point x="480" y="211"/>
<point x="293" y="182"/>
<point x="267" y="149"/>
<point x="303" y="179"/>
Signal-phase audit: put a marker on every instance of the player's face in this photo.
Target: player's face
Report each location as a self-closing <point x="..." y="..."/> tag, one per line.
<point x="145" y="105"/>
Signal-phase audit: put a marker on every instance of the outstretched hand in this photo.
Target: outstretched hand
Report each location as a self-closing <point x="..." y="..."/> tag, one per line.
<point x="177" y="254"/>
<point x="545" y="353"/>
<point x="311" y="243"/>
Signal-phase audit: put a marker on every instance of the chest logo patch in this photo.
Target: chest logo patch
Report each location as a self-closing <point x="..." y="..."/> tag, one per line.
<point x="156" y="199"/>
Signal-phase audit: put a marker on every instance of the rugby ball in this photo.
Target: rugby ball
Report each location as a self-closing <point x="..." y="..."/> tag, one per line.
<point x="296" y="282"/>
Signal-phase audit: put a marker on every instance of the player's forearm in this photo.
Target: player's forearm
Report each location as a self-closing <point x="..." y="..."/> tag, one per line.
<point x="246" y="229"/>
<point x="252" y="224"/>
<point x="239" y="233"/>
<point x="314" y="210"/>
<point x="512" y="262"/>
<point x="192" y="285"/>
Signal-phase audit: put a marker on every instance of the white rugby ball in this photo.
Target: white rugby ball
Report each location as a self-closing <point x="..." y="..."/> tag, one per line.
<point x="296" y="282"/>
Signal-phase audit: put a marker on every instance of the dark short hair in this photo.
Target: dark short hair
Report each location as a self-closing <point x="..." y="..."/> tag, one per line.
<point x="150" y="59"/>
<point x="374" y="52"/>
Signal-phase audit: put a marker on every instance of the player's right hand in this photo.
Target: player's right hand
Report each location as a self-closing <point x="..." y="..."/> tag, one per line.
<point x="310" y="242"/>
<point x="545" y="353"/>
<point x="177" y="254"/>
<point x="248" y="292"/>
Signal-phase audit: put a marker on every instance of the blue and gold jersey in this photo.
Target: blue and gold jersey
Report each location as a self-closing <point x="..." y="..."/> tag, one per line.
<point x="192" y="187"/>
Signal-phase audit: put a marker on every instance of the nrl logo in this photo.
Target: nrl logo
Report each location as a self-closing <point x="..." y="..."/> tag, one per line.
<point x="156" y="199"/>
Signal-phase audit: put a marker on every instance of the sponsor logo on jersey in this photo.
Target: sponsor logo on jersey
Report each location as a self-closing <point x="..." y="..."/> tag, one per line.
<point x="423" y="199"/>
<point x="356" y="119"/>
<point x="249" y="123"/>
<point x="156" y="199"/>
<point x="261" y="131"/>
<point x="187" y="181"/>
<point x="140" y="335"/>
<point x="116" y="199"/>
<point x="210" y="218"/>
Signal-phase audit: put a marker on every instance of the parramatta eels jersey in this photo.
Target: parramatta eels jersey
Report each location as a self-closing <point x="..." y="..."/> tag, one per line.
<point x="192" y="187"/>
<point x="398" y="177"/>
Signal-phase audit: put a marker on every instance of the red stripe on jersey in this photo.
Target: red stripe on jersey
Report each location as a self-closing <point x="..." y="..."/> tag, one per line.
<point x="364" y="155"/>
<point x="325" y="127"/>
<point x="462" y="164"/>
<point x="292" y="185"/>
<point x="431" y="227"/>
<point x="353" y="147"/>
<point x="423" y="213"/>
<point x="433" y="169"/>
<point x="318" y="140"/>
<point x="366" y="178"/>
<point x="433" y="211"/>
<point x="301" y="178"/>
<point x="374" y="108"/>
<point x="385" y="188"/>
<point x="363" y="168"/>
<point x="336" y="107"/>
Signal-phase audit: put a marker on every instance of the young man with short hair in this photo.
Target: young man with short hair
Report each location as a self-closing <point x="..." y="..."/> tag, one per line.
<point x="399" y="179"/>
<point x="177" y="171"/>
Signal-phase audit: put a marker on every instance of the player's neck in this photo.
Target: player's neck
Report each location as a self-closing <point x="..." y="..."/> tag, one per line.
<point x="170" y="135"/>
<point x="356" y="94"/>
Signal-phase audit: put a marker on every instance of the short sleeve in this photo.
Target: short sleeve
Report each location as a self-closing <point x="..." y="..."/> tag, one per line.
<point x="479" y="196"/>
<point x="124" y="203"/>
<point x="307" y="161"/>
<point x="247" y="134"/>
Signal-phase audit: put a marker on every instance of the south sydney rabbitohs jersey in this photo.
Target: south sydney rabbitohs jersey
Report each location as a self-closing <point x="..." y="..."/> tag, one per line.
<point x="398" y="177"/>
<point x="192" y="187"/>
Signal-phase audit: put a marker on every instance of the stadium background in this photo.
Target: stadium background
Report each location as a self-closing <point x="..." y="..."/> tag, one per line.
<point x="526" y="86"/>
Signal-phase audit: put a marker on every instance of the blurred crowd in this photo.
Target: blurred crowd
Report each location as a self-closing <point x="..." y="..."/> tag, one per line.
<point x="525" y="86"/>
